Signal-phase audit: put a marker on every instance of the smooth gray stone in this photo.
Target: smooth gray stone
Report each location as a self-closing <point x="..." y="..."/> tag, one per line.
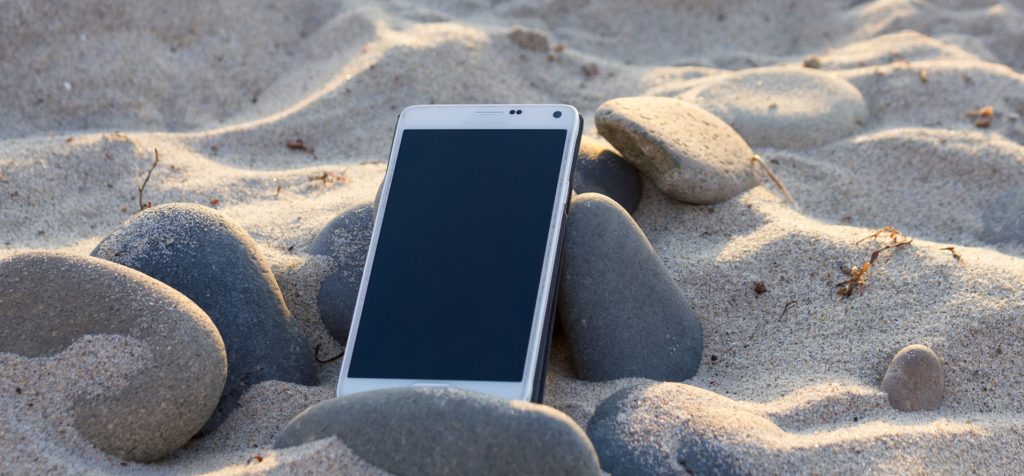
<point x="783" y="106"/>
<point x="49" y="299"/>
<point x="913" y="380"/>
<point x="672" y="429"/>
<point x="215" y="263"/>
<point x="345" y="240"/>
<point x="1003" y="220"/>
<point x="600" y="169"/>
<point x="690" y="154"/>
<point x="427" y="431"/>
<point x="620" y="309"/>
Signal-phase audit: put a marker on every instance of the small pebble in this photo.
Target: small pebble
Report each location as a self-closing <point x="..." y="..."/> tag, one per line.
<point x="529" y="39"/>
<point x="913" y="380"/>
<point x="689" y="154"/>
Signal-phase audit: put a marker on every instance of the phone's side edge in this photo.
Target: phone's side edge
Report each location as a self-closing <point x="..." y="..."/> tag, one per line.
<point x="364" y="281"/>
<point x="540" y="374"/>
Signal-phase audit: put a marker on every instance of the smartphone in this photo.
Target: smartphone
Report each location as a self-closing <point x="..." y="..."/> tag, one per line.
<point x="460" y="279"/>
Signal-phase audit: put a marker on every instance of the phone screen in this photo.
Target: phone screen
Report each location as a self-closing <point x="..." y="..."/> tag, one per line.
<point x="456" y="272"/>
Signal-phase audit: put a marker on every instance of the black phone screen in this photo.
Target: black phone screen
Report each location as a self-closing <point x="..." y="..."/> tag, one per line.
<point x="457" y="267"/>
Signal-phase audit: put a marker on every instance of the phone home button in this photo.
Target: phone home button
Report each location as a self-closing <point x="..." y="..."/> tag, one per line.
<point x="431" y="385"/>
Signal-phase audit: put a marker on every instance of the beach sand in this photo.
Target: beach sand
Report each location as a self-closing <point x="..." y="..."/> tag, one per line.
<point x="89" y="90"/>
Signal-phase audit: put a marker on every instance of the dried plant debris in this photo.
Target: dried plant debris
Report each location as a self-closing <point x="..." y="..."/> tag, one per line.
<point x="859" y="274"/>
<point x="952" y="250"/>
<point x="760" y="288"/>
<point x="982" y="116"/>
<point x="300" y="146"/>
<point x="330" y="178"/>
<point x="142" y="188"/>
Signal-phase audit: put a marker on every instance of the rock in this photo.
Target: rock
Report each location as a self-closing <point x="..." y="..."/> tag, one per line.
<point x="913" y="380"/>
<point x="1003" y="219"/>
<point x="447" y="431"/>
<point x="211" y="260"/>
<point x="687" y="152"/>
<point x="600" y="169"/>
<point x="622" y="313"/>
<point x="529" y="39"/>
<point x="346" y="240"/>
<point x="672" y="429"/>
<point x="49" y="300"/>
<point x="790" y="108"/>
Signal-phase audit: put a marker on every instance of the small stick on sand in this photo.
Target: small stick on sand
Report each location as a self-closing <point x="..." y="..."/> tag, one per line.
<point x="778" y="183"/>
<point x="142" y="188"/>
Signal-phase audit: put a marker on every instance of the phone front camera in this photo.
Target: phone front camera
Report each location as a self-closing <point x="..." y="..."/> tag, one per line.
<point x="556" y="114"/>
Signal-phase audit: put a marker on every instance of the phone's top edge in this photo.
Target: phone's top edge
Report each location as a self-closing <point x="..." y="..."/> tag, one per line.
<point x="467" y="106"/>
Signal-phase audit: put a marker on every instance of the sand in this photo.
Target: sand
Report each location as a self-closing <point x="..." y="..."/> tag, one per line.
<point x="88" y="90"/>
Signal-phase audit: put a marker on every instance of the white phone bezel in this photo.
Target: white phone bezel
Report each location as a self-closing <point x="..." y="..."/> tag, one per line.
<point x="490" y="116"/>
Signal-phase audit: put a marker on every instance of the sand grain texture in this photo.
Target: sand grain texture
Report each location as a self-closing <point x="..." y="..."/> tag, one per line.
<point x="89" y="89"/>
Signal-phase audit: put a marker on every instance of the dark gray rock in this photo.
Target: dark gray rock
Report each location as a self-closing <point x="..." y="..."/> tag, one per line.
<point x="672" y="429"/>
<point x="197" y="251"/>
<point x="1003" y="220"/>
<point x="447" y="431"/>
<point x="600" y="169"/>
<point x="345" y="240"/>
<point x="48" y="300"/>
<point x="688" y="153"/>
<point x="913" y="380"/>
<point x="621" y="311"/>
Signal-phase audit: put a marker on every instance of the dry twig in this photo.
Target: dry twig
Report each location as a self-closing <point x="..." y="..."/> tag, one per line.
<point x="142" y="188"/>
<point x="859" y="274"/>
<point x="778" y="183"/>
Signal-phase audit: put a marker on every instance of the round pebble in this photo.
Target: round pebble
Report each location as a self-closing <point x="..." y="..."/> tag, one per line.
<point x="205" y="256"/>
<point x="621" y="311"/>
<point x="430" y="431"/>
<point x="785" y="107"/>
<point x="48" y="300"/>
<point x="913" y="380"/>
<point x="689" y="154"/>
<point x="346" y="241"/>
<point x="600" y="169"/>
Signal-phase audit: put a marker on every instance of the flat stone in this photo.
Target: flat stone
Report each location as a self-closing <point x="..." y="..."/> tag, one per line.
<point x="1003" y="219"/>
<point x="913" y="380"/>
<point x="48" y="300"/>
<point x="673" y="429"/>
<point x="447" y="431"/>
<point x="346" y="241"/>
<point x="689" y="154"/>
<point x="600" y="169"/>
<point x="213" y="262"/>
<point x="621" y="311"/>
<point x="785" y="107"/>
